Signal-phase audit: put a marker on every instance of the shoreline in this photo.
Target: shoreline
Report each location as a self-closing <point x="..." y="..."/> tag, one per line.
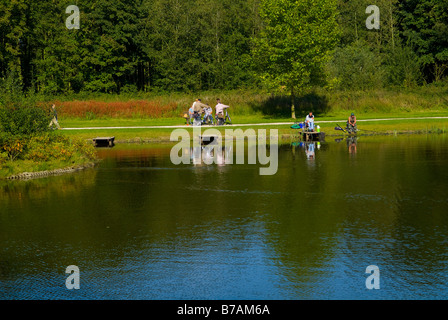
<point x="48" y="173"/>
<point x="282" y="137"/>
<point x="289" y="136"/>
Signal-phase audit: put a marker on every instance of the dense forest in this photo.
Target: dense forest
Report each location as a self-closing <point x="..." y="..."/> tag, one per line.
<point x="192" y="45"/>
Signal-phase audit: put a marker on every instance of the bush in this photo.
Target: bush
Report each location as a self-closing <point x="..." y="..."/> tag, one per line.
<point x="50" y="147"/>
<point x="12" y="146"/>
<point x="3" y="159"/>
<point x="403" y="67"/>
<point x="17" y="120"/>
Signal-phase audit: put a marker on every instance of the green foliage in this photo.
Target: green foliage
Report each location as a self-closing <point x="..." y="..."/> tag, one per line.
<point x="18" y="120"/>
<point x="39" y="152"/>
<point x="48" y="147"/>
<point x="403" y="67"/>
<point x="12" y="146"/>
<point x="356" y="67"/>
<point x="424" y="26"/>
<point x="196" y="45"/>
<point x="294" y="45"/>
<point x="3" y="158"/>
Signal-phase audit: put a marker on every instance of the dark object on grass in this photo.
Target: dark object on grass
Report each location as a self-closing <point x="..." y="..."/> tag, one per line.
<point x="104" y="142"/>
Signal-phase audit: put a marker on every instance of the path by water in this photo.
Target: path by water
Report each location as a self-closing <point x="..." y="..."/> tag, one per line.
<point x="249" y="124"/>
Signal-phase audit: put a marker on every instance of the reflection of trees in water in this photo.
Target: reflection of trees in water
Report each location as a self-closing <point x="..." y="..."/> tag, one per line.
<point x="301" y="217"/>
<point x="372" y="207"/>
<point x="40" y="188"/>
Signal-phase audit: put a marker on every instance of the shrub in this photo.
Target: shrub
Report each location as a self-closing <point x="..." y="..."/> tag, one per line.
<point x="12" y="146"/>
<point x="3" y="159"/>
<point x="17" y="120"/>
<point x="50" y="147"/>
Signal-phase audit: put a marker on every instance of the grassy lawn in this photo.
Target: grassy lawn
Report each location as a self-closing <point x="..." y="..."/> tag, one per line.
<point x="139" y="135"/>
<point x="238" y="119"/>
<point x="251" y="107"/>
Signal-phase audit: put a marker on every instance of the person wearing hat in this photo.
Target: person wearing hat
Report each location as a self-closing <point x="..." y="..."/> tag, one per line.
<point x="351" y="124"/>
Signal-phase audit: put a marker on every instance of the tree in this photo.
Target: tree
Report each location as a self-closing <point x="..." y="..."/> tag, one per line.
<point x="292" y="48"/>
<point x="424" y="26"/>
<point x="356" y="66"/>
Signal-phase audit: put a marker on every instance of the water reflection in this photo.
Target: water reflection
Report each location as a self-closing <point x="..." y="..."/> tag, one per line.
<point x="140" y="227"/>
<point x="352" y="144"/>
<point x="308" y="147"/>
<point x="210" y="154"/>
<point x="309" y="151"/>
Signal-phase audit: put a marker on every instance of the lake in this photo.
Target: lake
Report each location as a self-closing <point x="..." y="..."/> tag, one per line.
<point x="139" y="227"/>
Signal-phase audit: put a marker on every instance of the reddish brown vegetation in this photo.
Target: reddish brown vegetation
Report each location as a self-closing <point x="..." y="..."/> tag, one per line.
<point x="115" y="109"/>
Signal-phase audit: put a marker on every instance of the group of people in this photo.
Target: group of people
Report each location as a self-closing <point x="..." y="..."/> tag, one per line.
<point x="351" y="123"/>
<point x="202" y="113"/>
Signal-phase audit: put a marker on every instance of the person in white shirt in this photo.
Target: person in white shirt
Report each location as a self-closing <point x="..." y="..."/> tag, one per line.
<point x="310" y="151"/>
<point x="309" y="121"/>
<point x="219" y="108"/>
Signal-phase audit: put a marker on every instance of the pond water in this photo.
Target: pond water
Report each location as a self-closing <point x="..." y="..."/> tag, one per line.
<point x="139" y="227"/>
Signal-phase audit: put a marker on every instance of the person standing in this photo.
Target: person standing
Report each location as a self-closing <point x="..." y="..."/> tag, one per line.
<point x="191" y="113"/>
<point x="54" y="121"/>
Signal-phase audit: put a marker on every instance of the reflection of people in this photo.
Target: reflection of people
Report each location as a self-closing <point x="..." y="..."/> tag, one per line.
<point x="310" y="151"/>
<point x="309" y="121"/>
<point x="54" y="121"/>
<point x="351" y="123"/>
<point x="210" y="154"/>
<point x="351" y="144"/>
<point x="196" y="155"/>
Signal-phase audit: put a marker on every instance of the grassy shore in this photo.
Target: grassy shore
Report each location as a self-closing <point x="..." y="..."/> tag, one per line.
<point x="140" y="135"/>
<point x="46" y="153"/>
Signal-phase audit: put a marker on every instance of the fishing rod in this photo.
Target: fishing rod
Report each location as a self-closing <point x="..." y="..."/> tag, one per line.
<point x="339" y="128"/>
<point x="368" y="130"/>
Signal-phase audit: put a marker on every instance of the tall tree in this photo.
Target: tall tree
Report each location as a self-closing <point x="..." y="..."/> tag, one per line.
<point x="294" y="45"/>
<point x="424" y="25"/>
